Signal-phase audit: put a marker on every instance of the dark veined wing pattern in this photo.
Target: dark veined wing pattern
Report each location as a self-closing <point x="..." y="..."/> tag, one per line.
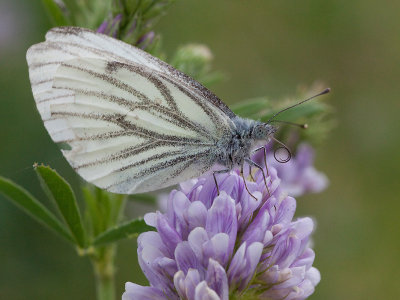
<point x="133" y="123"/>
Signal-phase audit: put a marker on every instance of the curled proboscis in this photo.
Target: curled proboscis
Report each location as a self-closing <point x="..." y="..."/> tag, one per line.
<point x="284" y="160"/>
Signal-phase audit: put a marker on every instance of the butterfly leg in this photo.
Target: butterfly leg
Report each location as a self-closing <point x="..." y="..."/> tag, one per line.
<point x="265" y="159"/>
<point x="252" y="163"/>
<point x="215" y="179"/>
<point x="245" y="184"/>
<point x="251" y="175"/>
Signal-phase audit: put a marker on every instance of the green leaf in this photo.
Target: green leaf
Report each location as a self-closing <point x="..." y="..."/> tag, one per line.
<point x="252" y="108"/>
<point x="127" y="230"/>
<point x="60" y="191"/>
<point x="103" y="209"/>
<point x="92" y="213"/>
<point x="55" y="12"/>
<point x="24" y="200"/>
<point x="299" y="112"/>
<point x="260" y="108"/>
<point x="315" y="114"/>
<point x="143" y="198"/>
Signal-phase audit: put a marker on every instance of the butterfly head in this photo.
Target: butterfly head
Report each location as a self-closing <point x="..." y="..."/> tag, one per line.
<point x="263" y="131"/>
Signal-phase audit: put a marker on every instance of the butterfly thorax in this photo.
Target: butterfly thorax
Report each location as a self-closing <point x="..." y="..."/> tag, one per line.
<point x="245" y="136"/>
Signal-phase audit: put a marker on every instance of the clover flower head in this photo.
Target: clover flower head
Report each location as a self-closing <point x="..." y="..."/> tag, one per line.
<point x="131" y="33"/>
<point x="110" y="27"/>
<point x="145" y="40"/>
<point x="227" y="246"/>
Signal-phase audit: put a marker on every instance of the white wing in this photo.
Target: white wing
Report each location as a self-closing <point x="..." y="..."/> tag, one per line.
<point x="64" y="43"/>
<point x="133" y="123"/>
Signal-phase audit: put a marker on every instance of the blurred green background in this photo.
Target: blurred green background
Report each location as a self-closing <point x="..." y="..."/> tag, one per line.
<point x="268" y="48"/>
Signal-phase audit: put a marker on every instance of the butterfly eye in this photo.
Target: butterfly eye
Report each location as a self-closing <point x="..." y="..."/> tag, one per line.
<point x="260" y="131"/>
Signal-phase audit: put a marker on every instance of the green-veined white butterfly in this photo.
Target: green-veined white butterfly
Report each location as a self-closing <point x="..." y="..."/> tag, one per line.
<point x="133" y="122"/>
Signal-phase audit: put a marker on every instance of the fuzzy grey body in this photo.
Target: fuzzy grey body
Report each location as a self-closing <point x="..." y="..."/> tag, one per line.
<point x="245" y="136"/>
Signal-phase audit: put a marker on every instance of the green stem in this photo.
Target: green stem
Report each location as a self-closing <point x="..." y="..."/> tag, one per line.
<point x="105" y="273"/>
<point x="103" y="258"/>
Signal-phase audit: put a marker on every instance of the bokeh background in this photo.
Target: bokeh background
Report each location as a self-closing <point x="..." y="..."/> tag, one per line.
<point x="268" y="48"/>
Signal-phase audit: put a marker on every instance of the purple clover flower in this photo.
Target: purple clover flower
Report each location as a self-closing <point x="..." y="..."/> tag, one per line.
<point x="220" y="247"/>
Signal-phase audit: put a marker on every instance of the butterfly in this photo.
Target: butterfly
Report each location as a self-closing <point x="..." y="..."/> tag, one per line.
<point x="132" y="122"/>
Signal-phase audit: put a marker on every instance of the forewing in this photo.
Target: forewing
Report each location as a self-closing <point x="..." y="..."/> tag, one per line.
<point x="133" y="122"/>
<point x="131" y="129"/>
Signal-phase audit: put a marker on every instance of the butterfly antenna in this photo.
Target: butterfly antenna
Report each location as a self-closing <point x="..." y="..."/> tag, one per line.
<point x="297" y="104"/>
<point x="304" y="126"/>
